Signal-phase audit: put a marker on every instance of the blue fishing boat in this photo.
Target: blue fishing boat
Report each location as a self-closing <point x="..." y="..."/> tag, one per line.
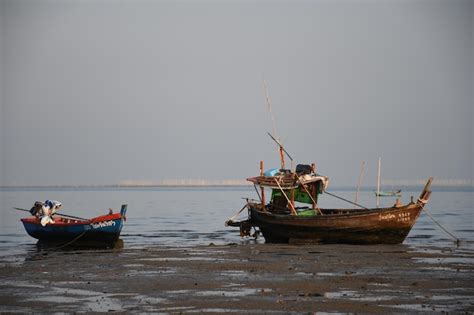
<point x="66" y="230"/>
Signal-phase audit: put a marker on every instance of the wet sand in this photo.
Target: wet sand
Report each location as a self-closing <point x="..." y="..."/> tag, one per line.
<point x="241" y="278"/>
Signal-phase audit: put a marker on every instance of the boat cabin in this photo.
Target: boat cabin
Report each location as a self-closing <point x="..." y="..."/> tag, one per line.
<point x="303" y="185"/>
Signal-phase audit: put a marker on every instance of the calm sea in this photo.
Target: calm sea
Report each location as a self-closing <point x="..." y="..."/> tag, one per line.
<point x="196" y="216"/>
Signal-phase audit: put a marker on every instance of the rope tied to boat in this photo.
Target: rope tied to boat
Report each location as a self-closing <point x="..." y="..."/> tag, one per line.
<point x="72" y="241"/>
<point x="422" y="205"/>
<point x="344" y="199"/>
<point x="231" y="219"/>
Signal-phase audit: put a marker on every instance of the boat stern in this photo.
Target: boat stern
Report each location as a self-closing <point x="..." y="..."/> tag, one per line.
<point x="123" y="210"/>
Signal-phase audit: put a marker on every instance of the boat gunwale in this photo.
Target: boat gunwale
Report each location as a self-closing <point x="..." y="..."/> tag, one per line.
<point x="73" y="222"/>
<point x="352" y="212"/>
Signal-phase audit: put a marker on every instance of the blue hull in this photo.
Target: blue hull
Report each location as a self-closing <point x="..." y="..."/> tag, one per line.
<point x="64" y="234"/>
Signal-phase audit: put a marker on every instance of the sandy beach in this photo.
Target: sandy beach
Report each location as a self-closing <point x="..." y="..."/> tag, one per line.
<point x="241" y="278"/>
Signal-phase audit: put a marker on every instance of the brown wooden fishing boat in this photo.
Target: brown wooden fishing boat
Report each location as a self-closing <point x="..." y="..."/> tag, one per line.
<point x="280" y="222"/>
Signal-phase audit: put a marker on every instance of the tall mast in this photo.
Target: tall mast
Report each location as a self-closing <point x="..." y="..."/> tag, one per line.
<point x="269" y="104"/>
<point x="280" y="146"/>
<point x="378" y="183"/>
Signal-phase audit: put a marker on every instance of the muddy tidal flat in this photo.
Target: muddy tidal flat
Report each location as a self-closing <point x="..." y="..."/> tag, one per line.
<point x="241" y="278"/>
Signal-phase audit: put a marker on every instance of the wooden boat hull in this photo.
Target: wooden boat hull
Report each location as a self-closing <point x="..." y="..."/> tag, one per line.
<point x="99" y="231"/>
<point x="375" y="226"/>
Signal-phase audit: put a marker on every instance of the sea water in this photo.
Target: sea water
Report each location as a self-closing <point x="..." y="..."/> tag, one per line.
<point x="162" y="216"/>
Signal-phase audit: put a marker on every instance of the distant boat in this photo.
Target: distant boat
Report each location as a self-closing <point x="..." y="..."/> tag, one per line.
<point x="386" y="193"/>
<point x="101" y="231"/>
<point x="390" y="193"/>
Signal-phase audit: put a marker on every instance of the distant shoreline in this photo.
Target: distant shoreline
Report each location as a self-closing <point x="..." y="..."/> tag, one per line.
<point x="121" y="186"/>
<point x="342" y="187"/>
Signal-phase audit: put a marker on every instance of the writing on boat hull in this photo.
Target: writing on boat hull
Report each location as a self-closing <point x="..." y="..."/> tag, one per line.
<point x="103" y="224"/>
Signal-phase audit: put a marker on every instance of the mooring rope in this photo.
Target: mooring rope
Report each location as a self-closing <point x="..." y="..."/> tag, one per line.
<point x="70" y="242"/>
<point x="236" y="215"/>
<point x="439" y="224"/>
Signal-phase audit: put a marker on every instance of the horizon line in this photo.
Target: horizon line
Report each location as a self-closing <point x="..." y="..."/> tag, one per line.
<point x="240" y="183"/>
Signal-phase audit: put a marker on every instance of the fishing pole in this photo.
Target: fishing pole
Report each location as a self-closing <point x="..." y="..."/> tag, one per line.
<point x="57" y="213"/>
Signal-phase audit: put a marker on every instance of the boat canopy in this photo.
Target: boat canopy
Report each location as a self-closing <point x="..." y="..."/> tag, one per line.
<point x="288" y="180"/>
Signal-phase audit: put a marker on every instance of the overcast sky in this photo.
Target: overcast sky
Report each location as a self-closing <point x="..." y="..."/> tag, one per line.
<point x="97" y="92"/>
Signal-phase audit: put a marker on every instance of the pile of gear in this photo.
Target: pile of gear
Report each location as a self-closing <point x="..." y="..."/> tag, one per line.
<point x="45" y="210"/>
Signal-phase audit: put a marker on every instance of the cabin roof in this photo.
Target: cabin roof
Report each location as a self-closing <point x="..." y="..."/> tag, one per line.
<point x="289" y="180"/>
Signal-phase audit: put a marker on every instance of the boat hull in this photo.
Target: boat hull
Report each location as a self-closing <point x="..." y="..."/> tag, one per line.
<point x="100" y="231"/>
<point x="376" y="226"/>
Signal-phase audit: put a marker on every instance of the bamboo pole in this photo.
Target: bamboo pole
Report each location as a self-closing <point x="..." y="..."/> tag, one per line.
<point x="312" y="199"/>
<point x="313" y="187"/>
<point x="57" y="213"/>
<point x="292" y="208"/>
<point x="313" y="193"/>
<point x="292" y="195"/>
<point x="378" y="183"/>
<point x="261" y="187"/>
<point x="282" y="158"/>
<point x="360" y="181"/>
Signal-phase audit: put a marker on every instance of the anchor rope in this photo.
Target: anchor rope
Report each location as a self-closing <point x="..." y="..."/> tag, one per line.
<point x="236" y="215"/>
<point x="439" y="224"/>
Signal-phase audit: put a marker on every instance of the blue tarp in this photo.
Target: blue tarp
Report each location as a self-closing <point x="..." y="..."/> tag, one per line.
<point x="271" y="172"/>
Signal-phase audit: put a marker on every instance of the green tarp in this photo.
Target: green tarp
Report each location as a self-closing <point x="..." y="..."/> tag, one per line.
<point x="300" y="196"/>
<point x="307" y="213"/>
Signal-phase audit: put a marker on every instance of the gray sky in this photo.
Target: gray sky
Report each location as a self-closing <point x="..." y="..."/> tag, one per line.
<point x="95" y="92"/>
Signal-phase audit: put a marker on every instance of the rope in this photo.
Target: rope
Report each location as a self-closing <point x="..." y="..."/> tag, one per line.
<point x="235" y="215"/>
<point x="254" y="186"/>
<point x="70" y="242"/>
<point x="439" y="224"/>
<point x="356" y="204"/>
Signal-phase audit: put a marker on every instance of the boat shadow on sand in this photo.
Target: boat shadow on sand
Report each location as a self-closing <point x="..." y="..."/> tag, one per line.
<point x="44" y="249"/>
<point x="87" y="245"/>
